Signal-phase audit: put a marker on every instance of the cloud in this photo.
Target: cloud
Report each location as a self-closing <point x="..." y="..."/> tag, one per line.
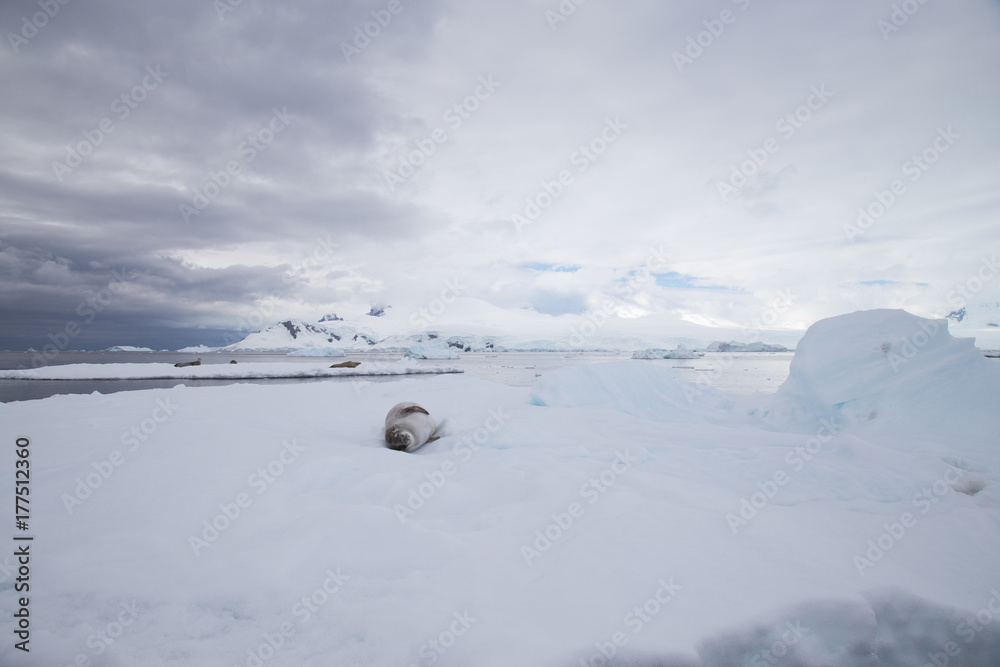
<point x="287" y="137"/>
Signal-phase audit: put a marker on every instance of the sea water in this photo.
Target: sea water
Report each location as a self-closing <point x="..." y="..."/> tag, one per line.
<point x="740" y="373"/>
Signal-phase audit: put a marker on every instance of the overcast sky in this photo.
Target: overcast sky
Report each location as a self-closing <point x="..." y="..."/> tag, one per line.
<point x="195" y="161"/>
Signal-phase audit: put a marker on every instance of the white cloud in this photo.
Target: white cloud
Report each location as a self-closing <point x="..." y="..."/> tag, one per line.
<point x="542" y="116"/>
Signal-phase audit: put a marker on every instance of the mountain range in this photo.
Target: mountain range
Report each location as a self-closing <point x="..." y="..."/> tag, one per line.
<point x="471" y="325"/>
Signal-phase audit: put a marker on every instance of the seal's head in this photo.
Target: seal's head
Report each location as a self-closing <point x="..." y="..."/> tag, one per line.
<point x="398" y="438"/>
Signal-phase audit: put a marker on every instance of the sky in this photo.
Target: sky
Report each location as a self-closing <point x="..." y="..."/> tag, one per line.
<point x="170" y="169"/>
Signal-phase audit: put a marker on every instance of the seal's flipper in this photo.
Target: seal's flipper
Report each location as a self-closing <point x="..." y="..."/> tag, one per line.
<point x="433" y="438"/>
<point x="442" y="429"/>
<point x="414" y="408"/>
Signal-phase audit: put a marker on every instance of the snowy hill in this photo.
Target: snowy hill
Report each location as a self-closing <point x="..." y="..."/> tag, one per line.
<point x="472" y="325"/>
<point x="298" y="335"/>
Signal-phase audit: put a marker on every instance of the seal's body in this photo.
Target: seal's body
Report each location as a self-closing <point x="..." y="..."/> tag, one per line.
<point x="408" y="426"/>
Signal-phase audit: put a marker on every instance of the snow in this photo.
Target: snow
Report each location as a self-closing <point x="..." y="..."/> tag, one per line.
<point x="317" y="352"/>
<point x="197" y="349"/>
<point x="484" y="327"/>
<point x="243" y="371"/>
<point x="897" y="374"/>
<point x="296" y="334"/>
<point x="431" y="351"/>
<point x="609" y="509"/>
<point x="650" y="354"/>
<point x="978" y="320"/>
<point x="680" y="353"/>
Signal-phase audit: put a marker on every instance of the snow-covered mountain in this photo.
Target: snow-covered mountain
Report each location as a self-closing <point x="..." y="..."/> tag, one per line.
<point x="298" y="335"/>
<point x="472" y="325"/>
<point x="980" y="321"/>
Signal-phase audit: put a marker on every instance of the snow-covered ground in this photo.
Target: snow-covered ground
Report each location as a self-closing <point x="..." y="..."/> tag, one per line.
<point x="609" y="515"/>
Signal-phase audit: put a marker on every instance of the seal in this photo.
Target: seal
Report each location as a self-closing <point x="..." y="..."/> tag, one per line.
<point x="408" y="427"/>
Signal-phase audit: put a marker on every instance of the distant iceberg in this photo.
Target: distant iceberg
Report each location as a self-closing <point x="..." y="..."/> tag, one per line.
<point x="317" y="352"/>
<point x="197" y="349"/>
<point x="733" y="346"/>
<point x="129" y="348"/>
<point x="650" y="354"/>
<point x="680" y="353"/>
<point x="431" y="352"/>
